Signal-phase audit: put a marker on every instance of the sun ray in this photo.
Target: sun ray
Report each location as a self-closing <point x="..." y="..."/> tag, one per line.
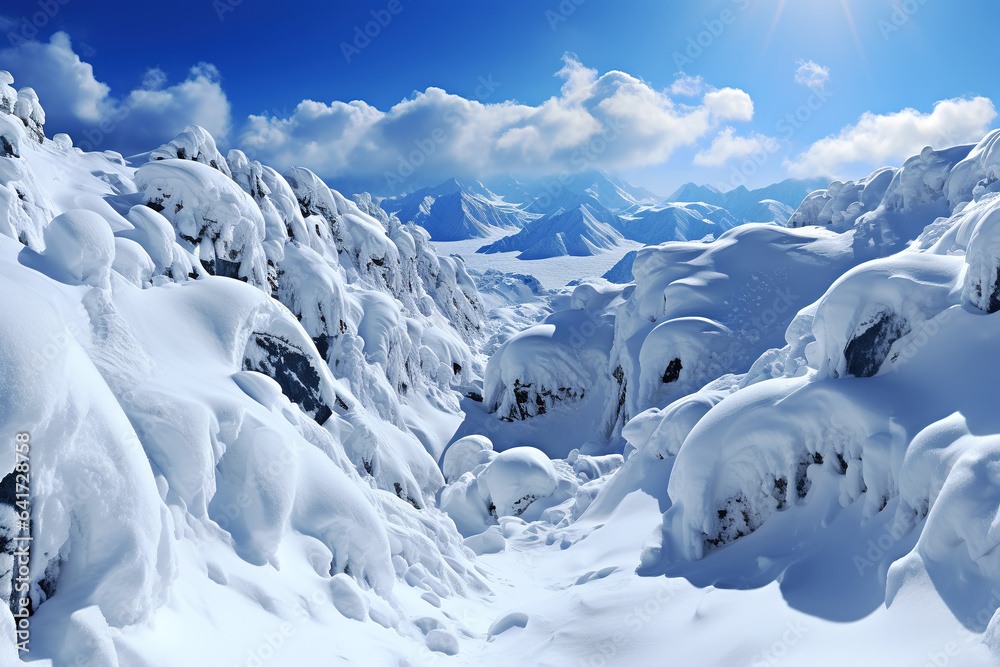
<point x="774" y="24"/>
<point x="854" y="27"/>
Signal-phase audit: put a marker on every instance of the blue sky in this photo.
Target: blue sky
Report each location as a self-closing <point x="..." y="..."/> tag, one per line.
<point x="133" y="62"/>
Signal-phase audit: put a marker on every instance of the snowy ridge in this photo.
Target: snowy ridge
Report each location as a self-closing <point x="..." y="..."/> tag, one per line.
<point x="862" y="423"/>
<point x="454" y="212"/>
<point x="256" y="404"/>
<point x="247" y="437"/>
<point x="584" y="226"/>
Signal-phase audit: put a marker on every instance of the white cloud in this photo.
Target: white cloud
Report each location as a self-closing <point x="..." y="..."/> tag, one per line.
<point x="877" y="139"/>
<point x="610" y="121"/>
<point x="727" y="146"/>
<point x="812" y="74"/>
<point x="77" y="103"/>
<point x="687" y="86"/>
<point x="730" y="104"/>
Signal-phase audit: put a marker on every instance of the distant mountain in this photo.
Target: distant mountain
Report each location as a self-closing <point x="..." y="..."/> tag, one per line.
<point x="691" y="192"/>
<point x="611" y="191"/>
<point x="621" y="273"/>
<point x="585" y="229"/>
<point x="589" y="227"/>
<point x="677" y="222"/>
<point x="754" y="205"/>
<point x="455" y="211"/>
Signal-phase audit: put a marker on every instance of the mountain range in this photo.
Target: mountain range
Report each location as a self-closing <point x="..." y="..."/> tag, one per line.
<point x="766" y="204"/>
<point x="587" y="213"/>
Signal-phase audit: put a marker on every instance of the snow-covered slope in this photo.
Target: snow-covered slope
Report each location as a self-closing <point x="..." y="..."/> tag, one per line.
<point x="258" y="434"/>
<point x="873" y="425"/>
<point x="454" y="212"/>
<point x="586" y="227"/>
<point x="813" y="405"/>
<point x="257" y="446"/>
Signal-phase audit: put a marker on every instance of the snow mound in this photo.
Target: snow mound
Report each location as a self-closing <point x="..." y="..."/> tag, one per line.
<point x="30" y="111"/>
<point x="465" y="454"/>
<point x="554" y="363"/>
<point x="194" y="143"/>
<point x="733" y="298"/>
<point x="841" y="204"/>
<point x="80" y="248"/>
<point x="517" y="478"/>
<point x="869" y="309"/>
<point x="220" y="222"/>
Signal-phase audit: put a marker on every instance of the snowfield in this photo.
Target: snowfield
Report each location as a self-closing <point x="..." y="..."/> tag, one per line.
<point x="274" y="425"/>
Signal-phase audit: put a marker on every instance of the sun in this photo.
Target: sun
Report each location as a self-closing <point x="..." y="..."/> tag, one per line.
<point x="848" y="15"/>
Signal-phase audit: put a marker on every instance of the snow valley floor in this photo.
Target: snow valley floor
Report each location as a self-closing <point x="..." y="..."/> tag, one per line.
<point x="254" y="421"/>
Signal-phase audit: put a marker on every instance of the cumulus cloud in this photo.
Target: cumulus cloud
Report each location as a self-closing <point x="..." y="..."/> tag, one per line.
<point x="76" y="102"/>
<point x="610" y="121"/>
<point x="727" y="146"/>
<point x="730" y="104"/>
<point x="812" y="74"/>
<point x="687" y="86"/>
<point x="607" y="121"/>
<point x="877" y="139"/>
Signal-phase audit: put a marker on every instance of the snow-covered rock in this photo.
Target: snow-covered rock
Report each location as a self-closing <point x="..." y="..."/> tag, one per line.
<point x="194" y="143"/>
<point x="191" y="433"/>
<point x="221" y="223"/>
<point x="841" y="204"/>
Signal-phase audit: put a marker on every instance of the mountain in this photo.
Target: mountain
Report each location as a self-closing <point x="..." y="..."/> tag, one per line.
<point x="584" y="226"/>
<point x="252" y="421"/>
<point x="676" y="222"/>
<point x="611" y="191"/>
<point x="454" y="211"/>
<point x="584" y="229"/>
<point x="753" y="205"/>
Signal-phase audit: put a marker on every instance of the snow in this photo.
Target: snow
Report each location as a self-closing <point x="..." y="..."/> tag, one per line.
<point x="272" y="424"/>
<point x="221" y="223"/>
<point x="79" y="249"/>
<point x="586" y="227"/>
<point x="455" y="212"/>
<point x="194" y="143"/>
<point x="551" y="272"/>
